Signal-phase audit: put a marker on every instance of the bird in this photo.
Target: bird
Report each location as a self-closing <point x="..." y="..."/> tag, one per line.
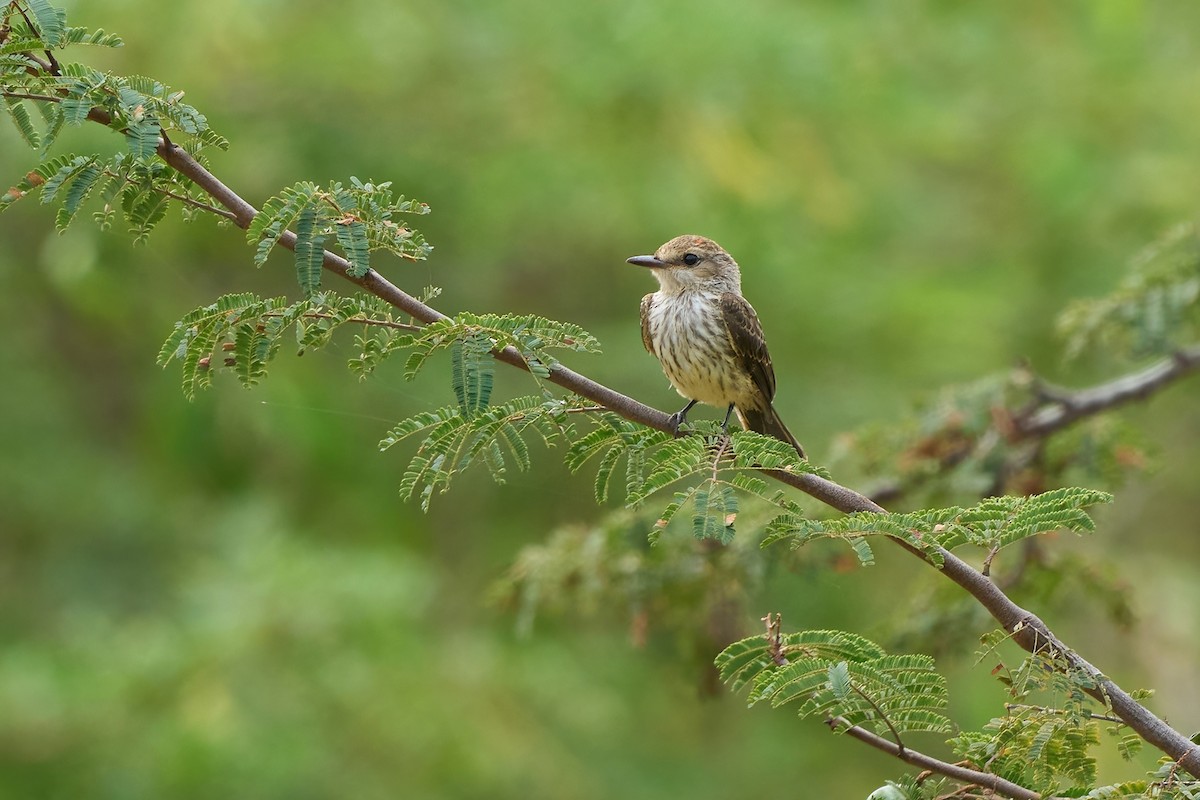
<point x="707" y="337"/>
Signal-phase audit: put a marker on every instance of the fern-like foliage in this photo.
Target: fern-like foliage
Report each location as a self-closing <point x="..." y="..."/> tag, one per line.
<point x="835" y="674"/>
<point x="140" y="108"/>
<point x="455" y="438"/>
<point x="654" y="461"/>
<point x="614" y="439"/>
<point x="1035" y="749"/>
<point x="993" y="524"/>
<point x="142" y="190"/>
<point x="143" y="110"/>
<point x="533" y="336"/>
<point x="1153" y="311"/>
<point x="1046" y="738"/>
<point x="359" y="217"/>
<point x="243" y="332"/>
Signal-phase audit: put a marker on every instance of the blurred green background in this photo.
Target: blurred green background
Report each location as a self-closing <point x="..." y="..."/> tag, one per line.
<point x="226" y="597"/>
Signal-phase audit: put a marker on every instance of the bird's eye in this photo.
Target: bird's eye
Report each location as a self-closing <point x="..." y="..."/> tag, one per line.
<point x="691" y="259"/>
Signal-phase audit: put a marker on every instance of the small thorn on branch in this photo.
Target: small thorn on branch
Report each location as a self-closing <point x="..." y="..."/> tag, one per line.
<point x="774" y="636"/>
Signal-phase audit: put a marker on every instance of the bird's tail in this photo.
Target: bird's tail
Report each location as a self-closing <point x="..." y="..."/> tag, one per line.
<point x="768" y="422"/>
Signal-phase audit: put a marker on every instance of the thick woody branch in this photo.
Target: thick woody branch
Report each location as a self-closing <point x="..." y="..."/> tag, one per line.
<point x="1027" y="629"/>
<point x="985" y="780"/>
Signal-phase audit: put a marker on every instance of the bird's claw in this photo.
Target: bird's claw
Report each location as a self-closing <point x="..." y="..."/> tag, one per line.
<point x="676" y="420"/>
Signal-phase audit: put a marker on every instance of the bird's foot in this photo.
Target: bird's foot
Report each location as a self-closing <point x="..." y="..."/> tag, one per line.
<point x="679" y="417"/>
<point x="676" y="421"/>
<point x="725" y="423"/>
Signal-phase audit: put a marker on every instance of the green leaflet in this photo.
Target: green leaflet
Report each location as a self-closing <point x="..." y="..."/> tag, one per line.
<point x="51" y="22"/>
<point x="310" y="250"/>
<point x="472" y="372"/>
<point x="19" y="113"/>
<point x="654" y="460"/>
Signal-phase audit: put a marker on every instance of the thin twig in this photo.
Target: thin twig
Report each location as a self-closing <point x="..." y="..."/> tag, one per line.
<point x="882" y="716"/>
<point x="725" y="441"/>
<point x="1053" y="409"/>
<point x="986" y="569"/>
<point x="1062" y="712"/>
<point x="959" y="773"/>
<point x="50" y="65"/>
<point x="183" y="198"/>
<point x="380" y="323"/>
<point x="46" y="98"/>
<point x="584" y="410"/>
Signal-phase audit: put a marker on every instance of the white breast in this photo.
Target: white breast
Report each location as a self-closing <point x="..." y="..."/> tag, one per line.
<point x="690" y="340"/>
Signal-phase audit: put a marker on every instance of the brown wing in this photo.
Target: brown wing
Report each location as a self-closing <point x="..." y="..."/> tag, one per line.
<point x="646" y="341"/>
<point x="746" y="337"/>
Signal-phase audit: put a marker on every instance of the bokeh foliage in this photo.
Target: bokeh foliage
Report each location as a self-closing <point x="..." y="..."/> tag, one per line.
<point x="226" y="597"/>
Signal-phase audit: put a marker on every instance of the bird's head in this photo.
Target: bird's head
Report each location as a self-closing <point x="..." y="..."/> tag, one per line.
<point x="692" y="262"/>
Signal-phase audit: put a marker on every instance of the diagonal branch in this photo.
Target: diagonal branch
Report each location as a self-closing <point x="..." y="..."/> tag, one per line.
<point x="959" y="773"/>
<point x="1062" y="407"/>
<point x="1050" y="410"/>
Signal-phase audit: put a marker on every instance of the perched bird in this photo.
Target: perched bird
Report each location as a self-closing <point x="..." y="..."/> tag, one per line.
<point x="708" y="337"/>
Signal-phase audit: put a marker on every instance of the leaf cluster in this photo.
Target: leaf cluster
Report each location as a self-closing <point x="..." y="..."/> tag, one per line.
<point x="609" y="570"/>
<point x="68" y="93"/>
<point x="243" y="332"/>
<point x="840" y="675"/>
<point x="65" y="93"/>
<point x="1155" y="309"/>
<point x="1052" y="724"/>
<point x="457" y="436"/>
<point x="359" y="217"/>
<point x="993" y="524"/>
<point x="653" y="461"/>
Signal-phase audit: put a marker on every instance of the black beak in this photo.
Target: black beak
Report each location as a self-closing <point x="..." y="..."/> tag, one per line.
<point x="647" y="261"/>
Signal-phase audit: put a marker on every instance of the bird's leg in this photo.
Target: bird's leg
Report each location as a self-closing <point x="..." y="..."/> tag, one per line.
<point x="680" y="417"/>
<point x="725" y="424"/>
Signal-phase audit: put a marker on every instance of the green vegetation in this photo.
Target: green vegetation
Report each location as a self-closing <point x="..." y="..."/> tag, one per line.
<point x="226" y="597"/>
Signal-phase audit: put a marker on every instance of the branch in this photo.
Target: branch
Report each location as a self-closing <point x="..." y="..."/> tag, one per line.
<point x="959" y="773"/>
<point x="1064" y="407"/>
<point x="1027" y="629"/>
<point x="1052" y="410"/>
